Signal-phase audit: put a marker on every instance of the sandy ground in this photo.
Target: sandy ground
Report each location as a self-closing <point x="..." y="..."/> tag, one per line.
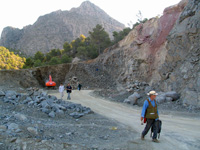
<point x="179" y="131"/>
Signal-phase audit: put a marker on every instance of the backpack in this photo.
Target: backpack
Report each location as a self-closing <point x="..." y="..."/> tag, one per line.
<point x="159" y="128"/>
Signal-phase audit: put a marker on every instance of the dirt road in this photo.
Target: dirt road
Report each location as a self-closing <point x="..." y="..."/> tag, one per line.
<point x="178" y="131"/>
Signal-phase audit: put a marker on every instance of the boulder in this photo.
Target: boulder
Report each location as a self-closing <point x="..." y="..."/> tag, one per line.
<point x="27" y="100"/>
<point x="13" y="126"/>
<point x="32" y="130"/>
<point x="76" y="115"/>
<point x="133" y="98"/>
<point x="160" y="99"/>
<point x="126" y="101"/>
<point x="10" y="94"/>
<point x="45" y="110"/>
<point x="52" y="114"/>
<point x="2" y="93"/>
<point x="173" y="95"/>
<point x="20" y="117"/>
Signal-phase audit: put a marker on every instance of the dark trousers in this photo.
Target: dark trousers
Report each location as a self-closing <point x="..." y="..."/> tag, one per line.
<point x="150" y="123"/>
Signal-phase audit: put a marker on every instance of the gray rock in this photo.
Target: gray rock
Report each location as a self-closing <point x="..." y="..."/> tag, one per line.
<point x="31" y="103"/>
<point x="133" y="98"/>
<point x="160" y="99"/>
<point x="3" y="128"/>
<point x="32" y="130"/>
<point x="45" y="110"/>
<point x="52" y="114"/>
<point x="62" y="107"/>
<point x="13" y="126"/>
<point x="53" y="97"/>
<point x="87" y="111"/>
<point x="9" y="94"/>
<point x="20" y="117"/>
<point x="2" y="93"/>
<point x="55" y="107"/>
<point x="169" y="99"/>
<point x="27" y="100"/>
<point x="173" y="95"/>
<point x="76" y="115"/>
<point x="44" y="104"/>
<point x="59" y="112"/>
<point x="127" y="101"/>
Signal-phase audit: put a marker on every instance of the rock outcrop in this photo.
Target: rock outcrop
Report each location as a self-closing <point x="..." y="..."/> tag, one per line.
<point x="52" y="30"/>
<point x="164" y="52"/>
<point x="181" y="69"/>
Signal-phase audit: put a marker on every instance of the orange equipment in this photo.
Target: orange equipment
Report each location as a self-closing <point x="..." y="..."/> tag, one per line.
<point x="50" y="82"/>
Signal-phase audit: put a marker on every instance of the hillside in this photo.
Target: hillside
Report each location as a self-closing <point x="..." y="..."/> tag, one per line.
<point x="8" y="60"/>
<point x="52" y="30"/>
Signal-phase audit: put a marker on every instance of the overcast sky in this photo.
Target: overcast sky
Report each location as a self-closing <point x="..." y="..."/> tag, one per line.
<point x="19" y="13"/>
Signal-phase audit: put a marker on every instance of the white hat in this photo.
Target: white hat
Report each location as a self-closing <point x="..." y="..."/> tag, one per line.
<point x="152" y="93"/>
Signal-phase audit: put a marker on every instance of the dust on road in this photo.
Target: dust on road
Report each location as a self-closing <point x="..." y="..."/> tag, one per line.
<point x="178" y="132"/>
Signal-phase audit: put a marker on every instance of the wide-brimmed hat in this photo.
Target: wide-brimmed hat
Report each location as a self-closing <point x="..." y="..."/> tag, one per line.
<point x="152" y="93"/>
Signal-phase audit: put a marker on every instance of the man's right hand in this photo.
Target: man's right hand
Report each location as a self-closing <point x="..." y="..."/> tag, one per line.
<point x="141" y="118"/>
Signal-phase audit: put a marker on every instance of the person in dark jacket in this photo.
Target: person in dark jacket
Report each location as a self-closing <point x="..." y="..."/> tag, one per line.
<point x="69" y="90"/>
<point x="79" y="86"/>
<point x="150" y="112"/>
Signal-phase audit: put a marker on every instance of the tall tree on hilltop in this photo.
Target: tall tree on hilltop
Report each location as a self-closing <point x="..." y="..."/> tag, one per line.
<point x="100" y="38"/>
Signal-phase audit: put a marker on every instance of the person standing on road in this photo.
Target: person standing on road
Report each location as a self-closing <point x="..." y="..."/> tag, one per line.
<point x="69" y="90"/>
<point x="150" y="112"/>
<point x="79" y="86"/>
<point x="61" y="90"/>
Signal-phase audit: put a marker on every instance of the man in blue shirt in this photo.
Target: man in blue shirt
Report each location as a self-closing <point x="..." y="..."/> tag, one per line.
<point x="150" y="112"/>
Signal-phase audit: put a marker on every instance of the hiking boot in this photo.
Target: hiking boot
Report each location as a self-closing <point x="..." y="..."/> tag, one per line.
<point x="142" y="137"/>
<point x="155" y="140"/>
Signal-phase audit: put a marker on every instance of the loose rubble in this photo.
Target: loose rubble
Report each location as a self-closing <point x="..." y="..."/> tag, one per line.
<point x="48" y="104"/>
<point x="36" y="120"/>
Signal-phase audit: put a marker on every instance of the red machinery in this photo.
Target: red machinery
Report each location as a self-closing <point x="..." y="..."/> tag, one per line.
<point x="50" y="82"/>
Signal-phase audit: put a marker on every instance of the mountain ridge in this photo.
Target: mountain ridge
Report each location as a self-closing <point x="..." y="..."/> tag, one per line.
<point x="50" y="31"/>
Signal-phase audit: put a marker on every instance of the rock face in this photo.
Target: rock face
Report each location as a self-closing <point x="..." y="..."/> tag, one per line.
<point x="141" y="53"/>
<point x="181" y="69"/>
<point x="52" y="30"/>
<point x="164" y="52"/>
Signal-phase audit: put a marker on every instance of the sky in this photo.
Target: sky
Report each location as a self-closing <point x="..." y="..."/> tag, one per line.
<point x="20" y="13"/>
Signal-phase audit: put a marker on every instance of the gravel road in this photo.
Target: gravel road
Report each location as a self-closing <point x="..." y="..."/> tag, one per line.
<point x="180" y="131"/>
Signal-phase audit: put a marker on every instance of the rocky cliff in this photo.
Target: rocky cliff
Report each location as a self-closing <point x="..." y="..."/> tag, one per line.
<point x="164" y="52"/>
<point x="52" y="30"/>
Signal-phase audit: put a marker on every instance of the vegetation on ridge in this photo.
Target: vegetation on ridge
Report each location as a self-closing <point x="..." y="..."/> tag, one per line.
<point x="83" y="47"/>
<point x="8" y="60"/>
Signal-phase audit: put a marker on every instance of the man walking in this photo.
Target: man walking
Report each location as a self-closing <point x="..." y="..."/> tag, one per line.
<point x="79" y="86"/>
<point x="150" y="112"/>
<point x="69" y="90"/>
<point x="61" y="90"/>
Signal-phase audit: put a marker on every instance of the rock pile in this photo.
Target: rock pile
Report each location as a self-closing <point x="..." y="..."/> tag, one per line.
<point x="46" y="103"/>
<point x="167" y="96"/>
<point x="161" y="98"/>
<point x="136" y="86"/>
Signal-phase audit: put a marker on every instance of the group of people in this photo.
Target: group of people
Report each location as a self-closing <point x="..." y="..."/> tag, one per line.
<point x="68" y="90"/>
<point x="149" y="111"/>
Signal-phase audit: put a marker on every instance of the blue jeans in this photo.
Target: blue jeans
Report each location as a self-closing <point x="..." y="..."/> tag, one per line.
<point x="68" y="96"/>
<point x="150" y="123"/>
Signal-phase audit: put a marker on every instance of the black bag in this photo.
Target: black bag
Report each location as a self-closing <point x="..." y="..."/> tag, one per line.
<point x="159" y="128"/>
